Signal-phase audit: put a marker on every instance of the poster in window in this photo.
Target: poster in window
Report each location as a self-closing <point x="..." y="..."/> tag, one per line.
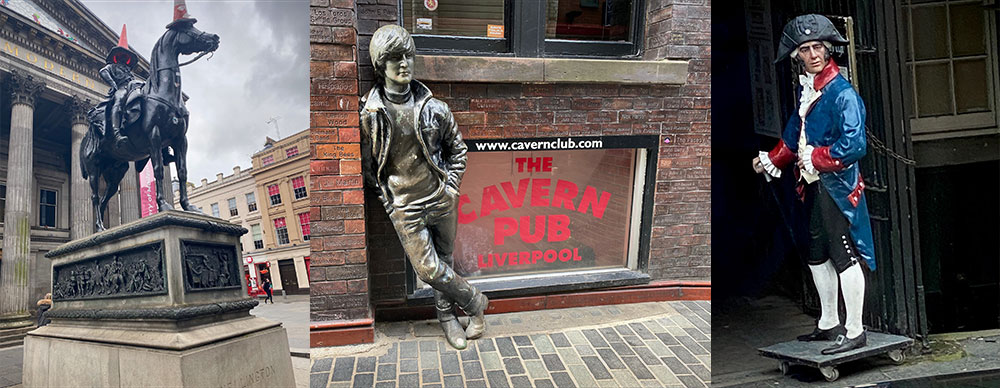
<point x="529" y="212"/>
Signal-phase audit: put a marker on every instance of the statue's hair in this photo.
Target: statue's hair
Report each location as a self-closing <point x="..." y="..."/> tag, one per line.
<point x="387" y="41"/>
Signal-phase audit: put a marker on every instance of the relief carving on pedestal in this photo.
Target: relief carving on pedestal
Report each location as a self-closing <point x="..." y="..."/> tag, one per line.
<point x="209" y="266"/>
<point x="132" y="272"/>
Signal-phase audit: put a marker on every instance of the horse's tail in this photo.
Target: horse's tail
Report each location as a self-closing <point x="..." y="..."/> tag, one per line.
<point x="88" y="147"/>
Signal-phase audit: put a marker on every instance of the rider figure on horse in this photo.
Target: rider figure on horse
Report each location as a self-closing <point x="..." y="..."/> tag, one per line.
<point x="118" y="73"/>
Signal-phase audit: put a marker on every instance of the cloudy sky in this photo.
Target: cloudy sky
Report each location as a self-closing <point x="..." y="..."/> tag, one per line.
<point x="261" y="70"/>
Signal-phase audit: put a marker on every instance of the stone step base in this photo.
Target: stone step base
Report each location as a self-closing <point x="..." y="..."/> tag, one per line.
<point x="13" y="337"/>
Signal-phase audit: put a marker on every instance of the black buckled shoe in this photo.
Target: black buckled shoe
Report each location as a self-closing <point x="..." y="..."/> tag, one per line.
<point x="844" y="344"/>
<point x="824" y="335"/>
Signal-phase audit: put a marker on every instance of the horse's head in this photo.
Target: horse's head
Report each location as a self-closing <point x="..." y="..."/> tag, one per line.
<point x="191" y="40"/>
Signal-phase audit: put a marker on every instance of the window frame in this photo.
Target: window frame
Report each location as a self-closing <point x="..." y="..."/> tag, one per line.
<point x="233" y="210"/>
<point x="54" y="205"/>
<point x="518" y="43"/>
<point x="281" y="231"/>
<point x="304" y="228"/>
<point x="266" y="160"/>
<point x="272" y="197"/>
<point x="216" y="212"/>
<point x="296" y="190"/>
<point x="291" y="152"/>
<point x="251" y="201"/>
<point x="257" y="244"/>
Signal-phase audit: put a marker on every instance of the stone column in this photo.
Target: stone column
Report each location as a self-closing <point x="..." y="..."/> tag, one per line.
<point x="114" y="211"/>
<point x="81" y="211"/>
<point x="128" y="193"/>
<point x="15" y="267"/>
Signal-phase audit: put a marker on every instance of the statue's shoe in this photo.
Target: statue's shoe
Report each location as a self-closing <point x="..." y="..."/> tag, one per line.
<point x="844" y="344"/>
<point x="824" y="335"/>
<point x="477" y="323"/>
<point x="454" y="333"/>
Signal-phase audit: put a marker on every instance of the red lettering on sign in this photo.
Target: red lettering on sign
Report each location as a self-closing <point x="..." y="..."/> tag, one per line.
<point x="516" y="198"/>
<point x="565" y="192"/>
<point x="538" y="190"/>
<point x="465" y="218"/>
<point x="576" y="254"/>
<point x="503" y="227"/>
<point x="565" y="255"/>
<point x="520" y="163"/>
<point x="525" y="227"/>
<point x="486" y="264"/>
<point x="522" y="257"/>
<point x="550" y="256"/>
<point x="590" y="198"/>
<point x="492" y="200"/>
<point x="535" y="255"/>
<point x="558" y="227"/>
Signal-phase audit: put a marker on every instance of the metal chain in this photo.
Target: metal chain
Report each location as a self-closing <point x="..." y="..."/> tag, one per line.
<point x="882" y="149"/>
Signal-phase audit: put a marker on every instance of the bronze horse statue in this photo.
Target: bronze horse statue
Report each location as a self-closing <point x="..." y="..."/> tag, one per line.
<point x="155" y="122"/>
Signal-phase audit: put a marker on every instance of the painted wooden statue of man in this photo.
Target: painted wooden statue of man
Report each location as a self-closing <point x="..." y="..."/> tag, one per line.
<point x="414" y="156"/>
<point x="827" y="136"/>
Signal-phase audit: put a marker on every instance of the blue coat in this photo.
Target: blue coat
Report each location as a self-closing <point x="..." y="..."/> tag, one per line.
<point x="835" y="126"/>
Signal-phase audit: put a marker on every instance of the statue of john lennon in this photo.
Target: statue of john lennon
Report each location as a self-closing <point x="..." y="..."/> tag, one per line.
<point x="414" y="156"/>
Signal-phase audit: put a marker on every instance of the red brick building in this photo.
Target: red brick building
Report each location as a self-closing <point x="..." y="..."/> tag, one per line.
<point x="588" y="179"/>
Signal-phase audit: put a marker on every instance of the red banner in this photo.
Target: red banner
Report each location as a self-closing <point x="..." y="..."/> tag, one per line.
<point x="147" y="190"/>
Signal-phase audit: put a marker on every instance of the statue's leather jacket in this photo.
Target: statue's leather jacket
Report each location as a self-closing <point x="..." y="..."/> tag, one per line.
<point x="116" y="75"/>
<point x="438" y="136"/>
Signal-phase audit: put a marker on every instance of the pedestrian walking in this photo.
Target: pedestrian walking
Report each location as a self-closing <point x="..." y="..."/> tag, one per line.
<point x="267" y="290"/>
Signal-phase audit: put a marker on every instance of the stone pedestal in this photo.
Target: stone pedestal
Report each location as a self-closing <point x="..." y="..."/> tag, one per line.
<point x="157" y="302"/>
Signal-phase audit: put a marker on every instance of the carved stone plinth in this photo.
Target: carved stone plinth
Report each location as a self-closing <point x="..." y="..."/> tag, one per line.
<point x="156" y="302"/>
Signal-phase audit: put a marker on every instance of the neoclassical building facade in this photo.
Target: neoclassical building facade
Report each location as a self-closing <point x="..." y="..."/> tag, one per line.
<point x="50" y="55"/>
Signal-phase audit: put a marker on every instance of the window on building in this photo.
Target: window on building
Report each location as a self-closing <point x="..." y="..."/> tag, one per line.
<point x="47" y="208"/>
<point x="267" y="160"/>
<point x="299" y="187"/>
<point x="527" y="28"/>
<point x="304" y="223"/>
<point x="275" y="193"/>
<point x="952" y="64"/>
<point x="292" y="151"/>
<point x="251" y="202"/>
<point x="3" y="201"/>
<point x="215" y="210"/>
<point x="281" y="230"/>
<point x="258" y="236"/>
<point x="232" y="207"/>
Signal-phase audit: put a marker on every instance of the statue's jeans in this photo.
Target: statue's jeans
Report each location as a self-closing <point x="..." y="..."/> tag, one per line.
<point x="427" y="233"/>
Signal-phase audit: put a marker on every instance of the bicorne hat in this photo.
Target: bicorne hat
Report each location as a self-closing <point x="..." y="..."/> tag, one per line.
<point x="181" y="14"/>
<point x="121" y="53"/>
<point x="806" y="28"/>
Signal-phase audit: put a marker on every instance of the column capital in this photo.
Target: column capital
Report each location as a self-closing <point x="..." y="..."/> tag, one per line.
<point x="24" y="88"/>
<point x="77" y="108"/>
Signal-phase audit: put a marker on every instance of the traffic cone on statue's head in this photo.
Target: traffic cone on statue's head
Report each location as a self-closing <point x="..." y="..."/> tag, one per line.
<point x="181" y="14"/>
<point x="121" y="53"/>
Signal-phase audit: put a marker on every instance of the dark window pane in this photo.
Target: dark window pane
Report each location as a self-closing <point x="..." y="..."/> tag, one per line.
<point x="602" y="20"/>
<point x="970" y="86"/>
<point x="967" y="30"/>
<point x="474" y="18"/>
<point x="930" y="32"/>
<point x="933" y="90"/>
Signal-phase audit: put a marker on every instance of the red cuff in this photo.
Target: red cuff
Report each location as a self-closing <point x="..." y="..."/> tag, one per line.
<point x="855" y="196"/>
<point x="781" y="156"/>
<point x="823" y="162"/>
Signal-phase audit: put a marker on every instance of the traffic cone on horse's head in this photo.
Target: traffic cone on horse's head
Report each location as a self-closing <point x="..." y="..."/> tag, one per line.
<point x="181" y="14"/>
<point x="121" y="53"/>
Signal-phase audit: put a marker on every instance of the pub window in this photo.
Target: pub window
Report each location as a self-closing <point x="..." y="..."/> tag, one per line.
<point x="951" y="59"/>
<point x="215" y="210"/>
<point x="258" y="236"/>
<point x="573" y="209"/>
<point x="275" y="194"/>
<point x="267" y="160"/>
<point x="304" y="224"/>
<point x="290" y="152"/>
<point x="232" y="207"/>
<point x="591" y="28"/>
<point x="251" y="202"/>
<point x="281" y="230"/>
<point x="47" y="209"/>
<point x="299" y="187"/>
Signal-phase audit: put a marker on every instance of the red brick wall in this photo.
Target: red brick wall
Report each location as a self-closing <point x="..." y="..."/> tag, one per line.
<point x="339" y="260"/>
<point x="681" y="235"/>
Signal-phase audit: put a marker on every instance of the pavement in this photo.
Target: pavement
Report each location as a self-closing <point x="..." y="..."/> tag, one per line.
<point x="660" y="344"/>
<point x="292" y="311"/>
<point x="742" y="326"/>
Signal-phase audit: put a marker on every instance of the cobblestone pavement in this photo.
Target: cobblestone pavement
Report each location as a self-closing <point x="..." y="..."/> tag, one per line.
<point x="10" y="365"/>
<point x="663" y="344"/>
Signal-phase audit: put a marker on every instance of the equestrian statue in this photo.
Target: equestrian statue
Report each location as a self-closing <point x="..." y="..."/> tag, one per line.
<point x="143" y="121"/>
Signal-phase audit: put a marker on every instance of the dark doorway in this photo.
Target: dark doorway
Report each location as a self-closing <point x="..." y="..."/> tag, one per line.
<point x="958" y="206"/>
<point x="289" y="282"/>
